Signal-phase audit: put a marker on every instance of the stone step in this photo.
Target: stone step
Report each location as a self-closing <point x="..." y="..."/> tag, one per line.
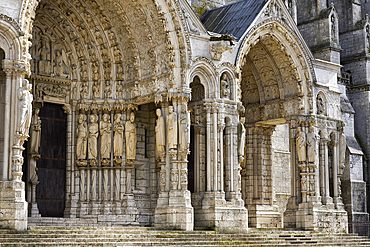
<point x="138" y="236"/>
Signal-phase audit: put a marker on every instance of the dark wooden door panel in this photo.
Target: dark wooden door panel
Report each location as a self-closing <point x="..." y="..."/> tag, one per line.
<point x="50" y="192"/>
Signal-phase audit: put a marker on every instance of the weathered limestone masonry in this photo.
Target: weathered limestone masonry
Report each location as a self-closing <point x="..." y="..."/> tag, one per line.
<point x="138" y="113"/>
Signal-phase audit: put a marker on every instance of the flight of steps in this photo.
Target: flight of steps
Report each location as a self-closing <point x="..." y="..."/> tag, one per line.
<point x="140" y="236"/>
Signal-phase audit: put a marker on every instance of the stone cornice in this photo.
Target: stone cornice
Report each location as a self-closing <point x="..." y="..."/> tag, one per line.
<point x="51" y="80"/>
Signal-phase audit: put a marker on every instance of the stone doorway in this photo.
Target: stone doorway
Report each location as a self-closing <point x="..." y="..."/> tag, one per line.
<point x="50" y="192"/>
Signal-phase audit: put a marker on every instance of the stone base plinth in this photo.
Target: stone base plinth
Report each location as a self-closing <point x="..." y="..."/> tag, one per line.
<point x="316" y="217"/>
<point x="222" y="219"/>
<point x="178" y="214"/>
<point x="130" y="209"/>
<point x="218" y="214"/>
<point x="264" y="216"/>
<point x="13" y="205"/>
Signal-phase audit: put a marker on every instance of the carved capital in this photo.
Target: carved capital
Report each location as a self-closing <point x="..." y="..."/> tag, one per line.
<point x="67" y="109"/>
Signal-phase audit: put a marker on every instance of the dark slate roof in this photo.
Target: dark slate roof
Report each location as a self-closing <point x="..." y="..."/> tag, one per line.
<point x="234" y="18"/>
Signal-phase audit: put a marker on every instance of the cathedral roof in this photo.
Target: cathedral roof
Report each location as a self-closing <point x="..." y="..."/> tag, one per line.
<point x="233" y="18"/>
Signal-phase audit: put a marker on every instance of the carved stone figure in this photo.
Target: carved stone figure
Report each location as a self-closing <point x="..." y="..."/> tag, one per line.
<point x="301" y="145"/>
<point x="95" y="71"/>
<point x="105" y="133"/>
<point x="84" y="91"/>
<point x="160" y="134"/>
<point x="44" y="63"/>
<point x="320" y="105"/>
<point x="184" y="133"/>
<point x="131" y="138"/>
<point x="35" y="132"/>
<point x="119" y="74"/>
<point x="96" y="90"/>
<point x="118" y="135"/>
<point x="119" y="89"/>
<point x="93" y="138"/>
<point x="107" y="71"/>
<point x="81" y="133"/>
<point x="225" y="91"/>
<point x="241" y="137"/>
<point x="171" y="128"/>
<point x="117" y="54"/>
<point x="60" y="67"/>
<point x="136" y="89"/>
<point x="24" y="108"/>
<point x="311" y="145"/>
<point x="107" y="90"/>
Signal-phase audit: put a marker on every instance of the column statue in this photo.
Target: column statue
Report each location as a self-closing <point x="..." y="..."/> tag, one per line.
<point x="24" y="107"/>
<point x="131" y="138"/>
<point x="105" y="133"/>
<point x="35" y="132"/>
<point x="93" y="138"/>
<point x="311" y="145"/>
<point x="160" y="134"/>
<point x="81" y="133"/>
<point x="301" y="145"/>
<point x="184" y="133"/>
<point x="172" y="129"/>
<point x="241" y="139"/>
<point x="118" y="135"/>
<point x="342" y="150"/>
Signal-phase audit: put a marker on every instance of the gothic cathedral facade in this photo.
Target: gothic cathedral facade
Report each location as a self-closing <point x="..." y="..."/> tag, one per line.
<point x="185" y="114"/>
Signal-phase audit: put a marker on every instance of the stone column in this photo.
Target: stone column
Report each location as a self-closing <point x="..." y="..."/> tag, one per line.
<point x="208" y="126"/>
<point x="221" y="140"/>
<point x="215" y="141"/>
<point x="12" y="190"/>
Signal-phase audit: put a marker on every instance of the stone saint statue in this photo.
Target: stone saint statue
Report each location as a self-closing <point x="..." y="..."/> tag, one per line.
<point x="225" y="91"/>
<point x="35" y="132"/>
<point x="301" y="146"/>
<point x="24" y="107"/>
<point x="311" y="145"/>
<point x="184" y="134"/>
<point x="93" y="138"/>
<point x="44" y="63"/>
<point x="105" y="133"/>
<point x="131" y="139"/>
<point x="342" y="149"/>
<point x="160" y="133"/>
<point x="60" y="67"/>
<point x="81" y="133"/>
<point x="241" y="137"/>
<point x="118" y="135"/>
<point x="171" y="128"/>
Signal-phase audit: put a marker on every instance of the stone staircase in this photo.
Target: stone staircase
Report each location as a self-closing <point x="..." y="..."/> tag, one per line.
<point x="140" y="236"/>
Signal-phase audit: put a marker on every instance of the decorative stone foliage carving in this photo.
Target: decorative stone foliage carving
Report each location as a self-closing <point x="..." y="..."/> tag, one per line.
<point x="218" y="48"/>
